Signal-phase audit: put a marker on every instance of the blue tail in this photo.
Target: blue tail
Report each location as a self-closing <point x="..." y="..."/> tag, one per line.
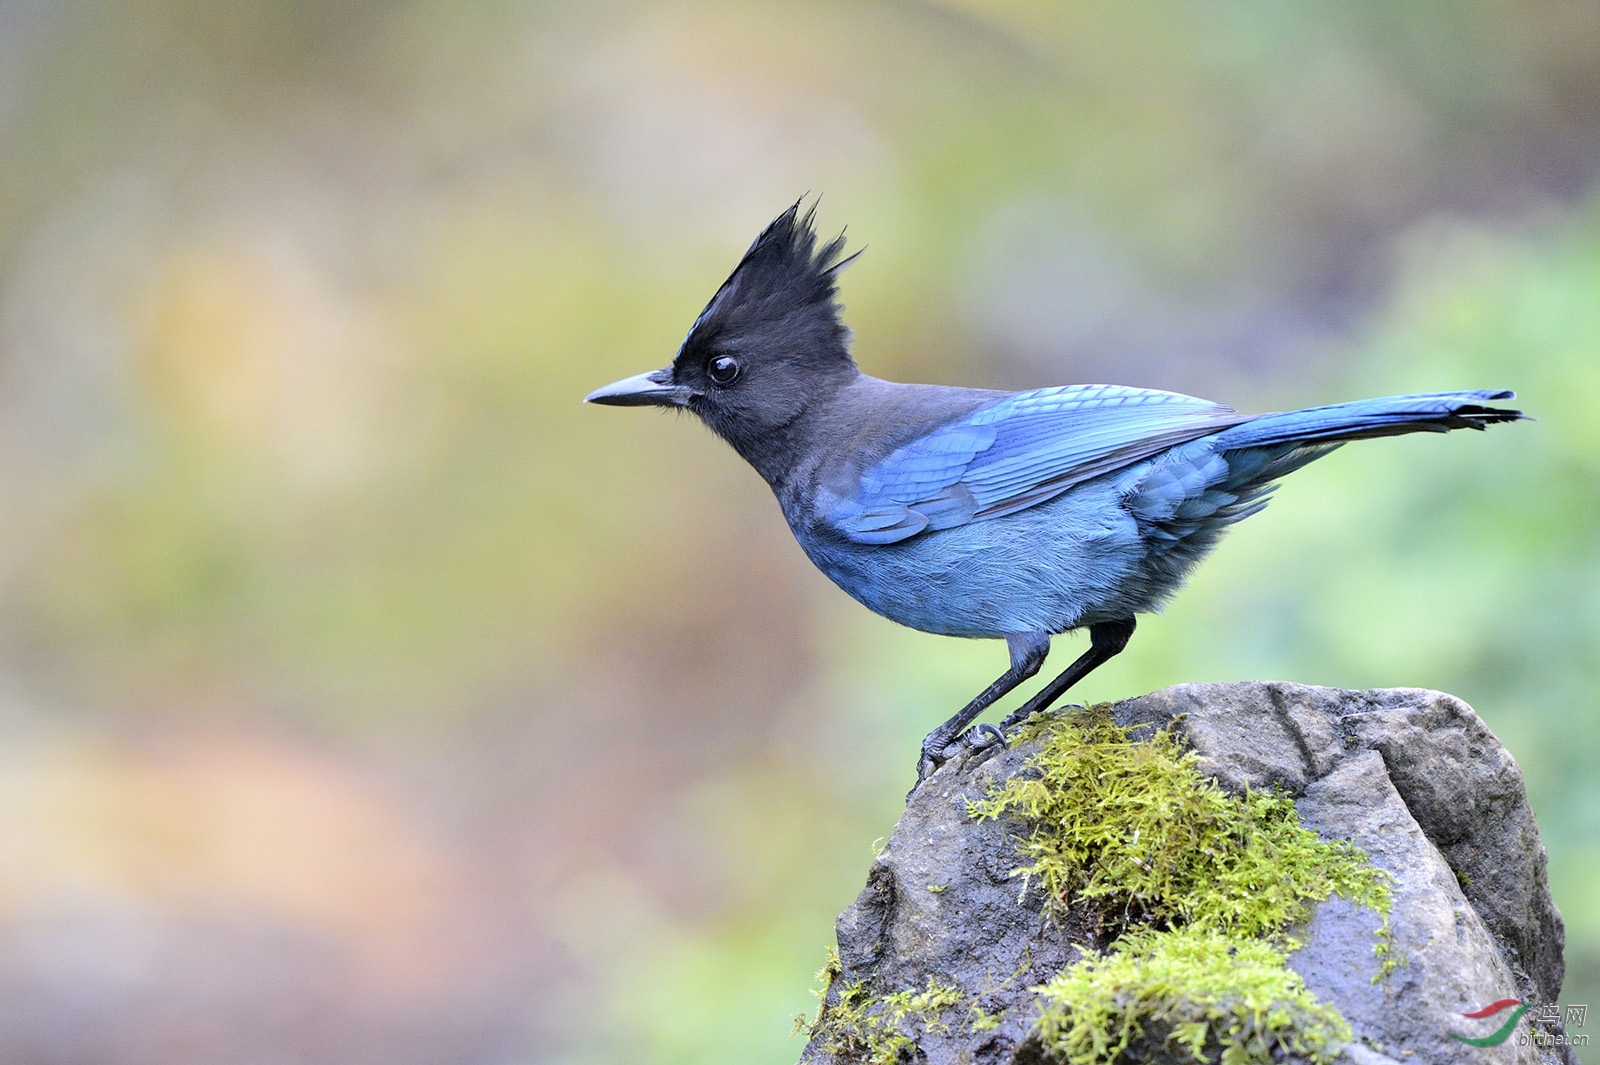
<point x="1186" y="498"/>
<point x="1437" y="412"/>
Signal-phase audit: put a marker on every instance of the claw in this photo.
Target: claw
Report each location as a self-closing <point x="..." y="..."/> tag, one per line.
<point x="997" y="738"/>
<point x="934" y="755"/>
<point x="984" y="737"/>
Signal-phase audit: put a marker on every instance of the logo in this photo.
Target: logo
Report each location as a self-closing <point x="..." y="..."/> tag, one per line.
<point x="1499" y="1035"/>
<point x="1549" y="1016"/>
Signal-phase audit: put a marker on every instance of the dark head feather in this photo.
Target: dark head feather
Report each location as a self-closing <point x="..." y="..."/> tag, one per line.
<point x="780" y="302"/>
<point x="770" y="345"/>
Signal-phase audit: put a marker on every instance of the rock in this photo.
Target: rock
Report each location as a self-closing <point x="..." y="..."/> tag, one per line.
<point x="1412" y="777"/>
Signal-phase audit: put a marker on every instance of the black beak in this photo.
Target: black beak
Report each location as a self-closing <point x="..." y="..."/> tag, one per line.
<point x="653" y="389"/>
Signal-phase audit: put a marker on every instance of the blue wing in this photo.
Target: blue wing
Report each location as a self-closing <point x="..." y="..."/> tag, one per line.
<point x="1013" y="454"/>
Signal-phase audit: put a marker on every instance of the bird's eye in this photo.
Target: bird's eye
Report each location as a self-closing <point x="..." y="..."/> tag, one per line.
<point x="723" y="370"/>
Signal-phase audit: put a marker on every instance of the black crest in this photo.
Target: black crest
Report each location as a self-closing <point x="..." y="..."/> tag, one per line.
<point x="780" y="301"/>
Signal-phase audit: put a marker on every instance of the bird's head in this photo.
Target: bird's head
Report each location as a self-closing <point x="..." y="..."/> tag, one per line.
<point x="767" y="346"/>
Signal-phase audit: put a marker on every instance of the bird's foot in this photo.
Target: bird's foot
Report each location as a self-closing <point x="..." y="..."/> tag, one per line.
<point x="932" y="757"/>
<point x="1025" y="714"/>
<point x="981" y="741"/>
<point x="937" y="750"/>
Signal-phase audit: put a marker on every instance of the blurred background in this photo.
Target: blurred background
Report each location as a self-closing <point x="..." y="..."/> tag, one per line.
<point x="366" y="698"/>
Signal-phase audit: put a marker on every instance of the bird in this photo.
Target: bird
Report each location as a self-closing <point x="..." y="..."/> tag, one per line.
<point x="979" y="513"/>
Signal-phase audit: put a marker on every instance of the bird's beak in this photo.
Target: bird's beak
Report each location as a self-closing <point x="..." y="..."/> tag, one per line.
<point x="653" y="389"/>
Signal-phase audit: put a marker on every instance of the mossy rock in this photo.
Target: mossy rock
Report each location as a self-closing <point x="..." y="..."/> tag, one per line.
<point x="1241" y="883"/>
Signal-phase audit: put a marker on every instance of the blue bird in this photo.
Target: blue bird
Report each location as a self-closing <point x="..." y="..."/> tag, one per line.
<point x="978" y="513"/>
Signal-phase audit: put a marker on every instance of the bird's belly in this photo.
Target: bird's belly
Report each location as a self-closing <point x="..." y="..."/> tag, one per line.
<point x="1069" y="562"/>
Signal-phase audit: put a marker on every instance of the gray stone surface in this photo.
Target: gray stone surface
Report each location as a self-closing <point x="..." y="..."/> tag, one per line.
<point x="1412" y="777"/>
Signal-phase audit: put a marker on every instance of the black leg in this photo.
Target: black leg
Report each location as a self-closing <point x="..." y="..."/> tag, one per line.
<point x="1028" y="652"/>
<point x="1106" y="641"/>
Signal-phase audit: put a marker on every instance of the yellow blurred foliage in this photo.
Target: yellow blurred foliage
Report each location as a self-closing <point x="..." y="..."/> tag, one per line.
<point x="225" y="823"/>
<point x="255" y="348"/>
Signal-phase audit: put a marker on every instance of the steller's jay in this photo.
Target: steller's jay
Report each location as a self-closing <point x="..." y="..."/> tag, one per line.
<point x="978" y="513"/>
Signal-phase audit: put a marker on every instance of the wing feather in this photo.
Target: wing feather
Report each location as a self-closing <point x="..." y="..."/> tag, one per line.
<point x="1016" y="453"/>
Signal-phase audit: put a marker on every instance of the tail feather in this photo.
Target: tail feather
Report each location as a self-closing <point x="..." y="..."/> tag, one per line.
<point x="1437" y="412"/>
<point x="1187" y="497"/>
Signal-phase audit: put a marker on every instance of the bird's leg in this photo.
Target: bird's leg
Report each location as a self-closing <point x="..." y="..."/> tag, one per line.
<point x="1106" y="641"/>
<point x="1028" y="652"/>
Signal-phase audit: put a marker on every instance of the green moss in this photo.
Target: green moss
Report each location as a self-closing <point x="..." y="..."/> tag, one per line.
<point x="1196" y="887"/>
<point x="981" y="1020"/>
<point x="883" y="1030"/>
<point x="1138" y="825"/>
<point x="831" y="970"/>
<point x="1388" y="960"/>
<point x="1195" y="990"/>
<point x="878" y="1030"/>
